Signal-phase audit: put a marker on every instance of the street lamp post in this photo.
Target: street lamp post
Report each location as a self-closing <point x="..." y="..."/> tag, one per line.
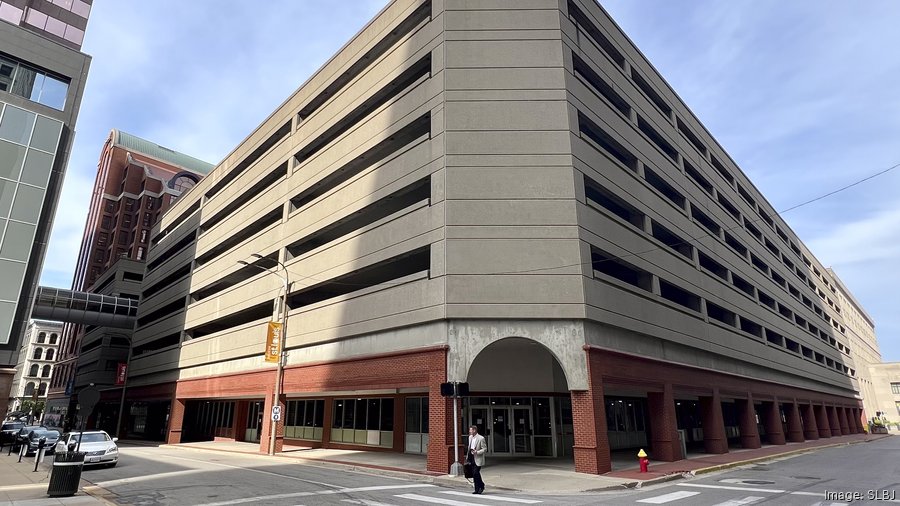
<point x="124" y="386"/>
<point x="279" y="371"/>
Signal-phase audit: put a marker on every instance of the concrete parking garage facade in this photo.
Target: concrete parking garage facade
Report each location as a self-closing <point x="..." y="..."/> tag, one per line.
<point x="507" y="194"/>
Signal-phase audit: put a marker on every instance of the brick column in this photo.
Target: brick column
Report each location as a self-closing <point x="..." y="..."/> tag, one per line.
<point x="176" y="421"/>
<point x="810" y="426"/>
<point x="268" y="425"/>
<point x="772" y="422"/>
<point x="591" y="447"/>
<point x="663" y="425"/>
<point x="440" y="417"/>
<point x="714" y="440"/>
<point x="794" y="425"/>
<point x="833" y="420"/>
<point x="239" y="422"/>
<point x="822" y="421"/>
<point x="328" y="421"/>
<point x="842" y="418"/>
<point x="747" y="422"/>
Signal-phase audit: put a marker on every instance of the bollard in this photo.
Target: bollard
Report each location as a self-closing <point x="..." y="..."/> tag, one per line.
<point x="21" y="452"/>
<point x="643" y="461"/>
<point x="39" y="456"/>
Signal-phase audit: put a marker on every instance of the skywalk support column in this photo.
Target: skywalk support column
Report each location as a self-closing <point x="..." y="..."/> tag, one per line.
<point x="714" y="440"/>
<point x="810" y="426"/>
<point x="747" y="422"/>
<point x="833" y="420"/>
<point x="663" y="425"/>
<point x="591" y="447"/>
<point x="794" y="425"/>
<point x="842" y="417"/>
<point x="772" y="422"/>
<point x="822" y="421"/>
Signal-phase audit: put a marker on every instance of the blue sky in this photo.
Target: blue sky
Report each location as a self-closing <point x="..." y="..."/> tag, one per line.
<point x="803" y="95"/>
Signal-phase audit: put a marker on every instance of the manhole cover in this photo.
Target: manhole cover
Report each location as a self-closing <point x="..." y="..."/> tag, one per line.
<point x="805" y="478"/>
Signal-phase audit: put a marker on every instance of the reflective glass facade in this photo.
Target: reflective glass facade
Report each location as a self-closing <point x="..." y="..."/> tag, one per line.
<point x="28" y="143"/>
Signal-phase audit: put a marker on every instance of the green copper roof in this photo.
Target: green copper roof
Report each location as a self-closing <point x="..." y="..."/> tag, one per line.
<point x="154" y="150"/>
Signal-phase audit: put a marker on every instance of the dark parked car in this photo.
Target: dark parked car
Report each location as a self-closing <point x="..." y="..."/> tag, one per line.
<point x="10" y="429"/>
<point x="34" y="438"/>
<point x="22" y="434"/>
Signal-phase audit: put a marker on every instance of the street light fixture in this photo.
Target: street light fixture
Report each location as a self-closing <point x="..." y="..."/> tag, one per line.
<point x="279" y="371"/>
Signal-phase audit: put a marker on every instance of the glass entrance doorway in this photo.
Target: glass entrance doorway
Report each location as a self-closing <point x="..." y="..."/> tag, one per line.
<point x="254" y="421"/>
<point x="508" y="430"/>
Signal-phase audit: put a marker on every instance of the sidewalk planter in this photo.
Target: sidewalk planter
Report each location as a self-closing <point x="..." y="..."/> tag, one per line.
<point x="66" y="474"/>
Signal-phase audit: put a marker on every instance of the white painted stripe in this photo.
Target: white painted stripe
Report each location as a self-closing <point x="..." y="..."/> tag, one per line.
<point x="739" y="502"/>
<point x="319" y="492"/>
<point x="148" y="477"/>
<point x="242" y="468"/>
<point x="674" y="496"/>
<point x="365" y="502"/>
<point x="437" y="500"/>
<point x="724" y="487"/>
<point x="493" y="497"/>
<point x="814" y="494"/>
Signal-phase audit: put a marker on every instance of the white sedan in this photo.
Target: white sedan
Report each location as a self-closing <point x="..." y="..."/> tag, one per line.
<point x="99" y="449"/>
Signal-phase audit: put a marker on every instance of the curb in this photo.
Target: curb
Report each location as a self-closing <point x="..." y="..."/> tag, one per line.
<point x="100" y="493"/>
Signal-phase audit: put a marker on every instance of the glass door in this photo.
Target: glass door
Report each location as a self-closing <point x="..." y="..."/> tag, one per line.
<point x="522" y="431"/>
<point x="254" y="421"/>
<point x="500" y="431"/>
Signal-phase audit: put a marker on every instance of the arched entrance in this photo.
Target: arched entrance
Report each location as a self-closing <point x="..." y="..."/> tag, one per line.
<point x="520" y="400"/>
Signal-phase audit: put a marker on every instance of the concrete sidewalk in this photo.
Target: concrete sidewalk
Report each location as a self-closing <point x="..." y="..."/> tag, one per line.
<point x="20" y="485"/>
<point x="535" y="476"/>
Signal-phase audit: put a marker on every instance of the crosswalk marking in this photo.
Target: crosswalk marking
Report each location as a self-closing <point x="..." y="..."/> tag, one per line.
<point x="365" y="502"/>
<point x="674" y="496"/>
<point x="739" y="502"/>
<point x="751" y="489"/>
<point x="437" y="500"/>
<point x="725" y="487"/>
<point x="493" y="497"/>
<point x="319" y="492"/>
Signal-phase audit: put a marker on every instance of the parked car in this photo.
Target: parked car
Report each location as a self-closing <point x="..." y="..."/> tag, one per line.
<point x="10" y="429"/>
<point x="34" y="438"/>
<point x="99" y="448"/>
<point x="22" y="434"/>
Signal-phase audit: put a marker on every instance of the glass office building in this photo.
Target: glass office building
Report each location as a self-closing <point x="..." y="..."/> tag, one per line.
<point x="42" y="75"/>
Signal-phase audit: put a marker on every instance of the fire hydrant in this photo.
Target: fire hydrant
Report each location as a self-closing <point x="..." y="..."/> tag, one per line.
<point x="643" y="461"/>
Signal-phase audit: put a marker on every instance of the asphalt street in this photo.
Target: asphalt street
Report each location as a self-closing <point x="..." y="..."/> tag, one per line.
<point x="151" y="476"/>
<point x="871" y="470"/>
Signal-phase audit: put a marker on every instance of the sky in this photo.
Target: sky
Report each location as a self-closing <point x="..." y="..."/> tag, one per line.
<point x="803" y="95"/>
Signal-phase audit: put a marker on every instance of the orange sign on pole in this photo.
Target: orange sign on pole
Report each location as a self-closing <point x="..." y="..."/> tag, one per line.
<point x="273" y="342"/>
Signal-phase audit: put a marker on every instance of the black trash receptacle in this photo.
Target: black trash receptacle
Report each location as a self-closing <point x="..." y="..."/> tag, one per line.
<point x="66" y="474"/>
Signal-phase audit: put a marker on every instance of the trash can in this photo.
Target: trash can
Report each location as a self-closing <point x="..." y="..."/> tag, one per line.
<point x="66" y="474"/>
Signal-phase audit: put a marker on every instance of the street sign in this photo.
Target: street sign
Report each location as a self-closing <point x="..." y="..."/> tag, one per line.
<point x="276" y="413"/>
<point x="454" y="389"/>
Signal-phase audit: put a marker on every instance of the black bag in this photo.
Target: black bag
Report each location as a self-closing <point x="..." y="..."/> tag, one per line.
<point x="469" y="469"/>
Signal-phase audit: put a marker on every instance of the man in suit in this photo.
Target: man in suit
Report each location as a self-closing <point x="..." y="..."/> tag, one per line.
<point x="477" y="447"/>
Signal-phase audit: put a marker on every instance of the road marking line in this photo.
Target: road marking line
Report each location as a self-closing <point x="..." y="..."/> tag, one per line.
<point x="674" y="496"/>
<point x="814" y="494"/>
<point x="313" y="482"/>
<point x="148" y="477"/>
<point x="743" y="489"/>
<point x="437" y="500"/>
<point x="318" y="492"/>
<point x="738" y="502"/>
<point x="493" y="497"/>
<point x="366" y="502"/>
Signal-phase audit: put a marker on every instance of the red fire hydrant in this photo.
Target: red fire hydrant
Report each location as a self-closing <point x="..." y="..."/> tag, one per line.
<point x="643" y="461"/>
